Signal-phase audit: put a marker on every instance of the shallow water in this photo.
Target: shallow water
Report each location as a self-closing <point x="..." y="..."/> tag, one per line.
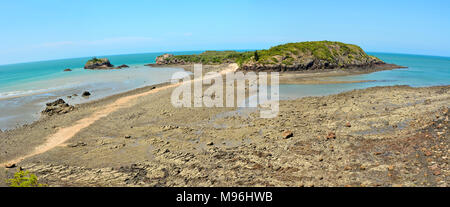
<point x="422" y="71"/>
<point x="25" y="88"/>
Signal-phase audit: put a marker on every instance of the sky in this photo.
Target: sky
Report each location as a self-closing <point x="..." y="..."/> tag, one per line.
<point x="53" y="29"/>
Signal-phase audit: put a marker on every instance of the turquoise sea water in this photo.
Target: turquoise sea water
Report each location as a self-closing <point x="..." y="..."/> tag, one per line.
<point x="38" y="77"/>
<point x="422" y="71"/>
<point x="26" y="87"/>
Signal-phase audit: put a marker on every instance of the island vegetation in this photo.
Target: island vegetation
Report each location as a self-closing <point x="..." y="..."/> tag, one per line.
<point x="101" y="63"/>
<point x="290" y="56"/>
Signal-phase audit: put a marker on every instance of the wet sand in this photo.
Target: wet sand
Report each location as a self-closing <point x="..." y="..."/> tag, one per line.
<point x="384" y="136"/>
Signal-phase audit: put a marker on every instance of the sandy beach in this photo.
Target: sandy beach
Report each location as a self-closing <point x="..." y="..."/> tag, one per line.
<point x="381" y="136"/>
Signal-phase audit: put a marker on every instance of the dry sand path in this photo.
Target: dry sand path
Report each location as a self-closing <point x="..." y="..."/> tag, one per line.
<point x="65" y="134"/>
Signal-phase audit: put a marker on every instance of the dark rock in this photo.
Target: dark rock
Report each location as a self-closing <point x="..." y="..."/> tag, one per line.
<point x="210" y="143"/>
<point x="122" y="66"/>
<point x="287" y="134"/>
<point x="10" y="165"/>
<point x="57" y="107"/>
<point x="86" y="94"/>
<point x="78" y="144"/>
<point x="67" y="70"/>
<point x="56" y="103"/>
<point x="348" y="124"/>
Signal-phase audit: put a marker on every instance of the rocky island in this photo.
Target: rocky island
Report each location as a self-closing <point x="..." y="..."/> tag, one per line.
<point x="96" y="63"/>
<point x="299" y="56"/>
<point x="102" y="63"/>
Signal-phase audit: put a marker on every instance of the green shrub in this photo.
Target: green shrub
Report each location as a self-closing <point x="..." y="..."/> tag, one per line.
<point x="24" y="179"/>
<point x="321" y="50"/>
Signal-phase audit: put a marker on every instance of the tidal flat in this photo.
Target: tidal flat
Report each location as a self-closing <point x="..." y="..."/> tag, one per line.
<point x="380" y="136"/>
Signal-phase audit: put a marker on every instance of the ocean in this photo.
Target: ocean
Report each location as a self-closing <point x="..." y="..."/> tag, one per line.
<point x="26" y="87"/>
<point x="422" y="71"/>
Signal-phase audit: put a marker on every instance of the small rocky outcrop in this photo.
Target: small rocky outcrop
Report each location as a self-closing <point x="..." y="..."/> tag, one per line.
<point x="57" y="107"/>
<point x="287" y="134"/>
<point x="86" y="94"/>
<point x="10" y="165"/>
<point x="164" y="59"/>
<point x="95" y="63"/>
<point x="67" y="70"/>
<point x="122" y="66"/>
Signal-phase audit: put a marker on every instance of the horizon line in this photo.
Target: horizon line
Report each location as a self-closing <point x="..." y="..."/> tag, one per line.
<point x="164" y="52"/>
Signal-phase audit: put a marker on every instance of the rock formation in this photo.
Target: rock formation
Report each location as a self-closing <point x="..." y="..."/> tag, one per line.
<point x="86" y="94"/>
<point x="96" y="63"/>
<point x="122" y="66"/>
<point x="164" y="59"/>
<point x="57" y="107"/>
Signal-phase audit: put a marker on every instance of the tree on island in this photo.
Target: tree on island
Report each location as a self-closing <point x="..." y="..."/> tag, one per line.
<point x="256" y="56"/>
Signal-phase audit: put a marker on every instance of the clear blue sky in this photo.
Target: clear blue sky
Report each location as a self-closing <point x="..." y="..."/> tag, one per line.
<point x="53" y="29"/>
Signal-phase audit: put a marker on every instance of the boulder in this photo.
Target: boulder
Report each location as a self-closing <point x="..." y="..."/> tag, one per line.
<point x="57" y="107"/>
<point x="67" y="70"/>
<point x="10" y="165"/>
<point x="122" y="66"/>
<point x="86" y="94"/>
<point x="287" y="134"/>
<point x="95" y="63"/>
